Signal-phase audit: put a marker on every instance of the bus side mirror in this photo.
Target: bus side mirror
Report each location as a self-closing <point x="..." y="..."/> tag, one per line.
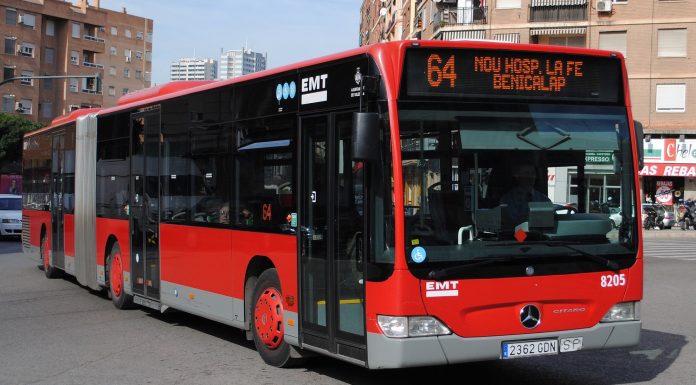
<point x="365" y="144"/>
<point x="639" y="142"/>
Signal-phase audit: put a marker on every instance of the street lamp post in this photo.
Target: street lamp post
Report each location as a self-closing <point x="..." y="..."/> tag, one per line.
<point x="96" y="77"/>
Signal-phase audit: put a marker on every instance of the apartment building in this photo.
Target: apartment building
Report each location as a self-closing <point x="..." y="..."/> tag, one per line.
<point x="236" y="63"/>
<point x="62" y="38"/>
<point x="193" y="69"/>
<point x="657" y="37"/>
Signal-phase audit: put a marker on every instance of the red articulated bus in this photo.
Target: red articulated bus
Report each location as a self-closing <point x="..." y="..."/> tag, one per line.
<point x="390" y="206"/>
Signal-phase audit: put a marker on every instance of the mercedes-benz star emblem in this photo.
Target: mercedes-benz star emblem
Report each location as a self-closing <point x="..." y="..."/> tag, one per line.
<point x="530" y="316"/>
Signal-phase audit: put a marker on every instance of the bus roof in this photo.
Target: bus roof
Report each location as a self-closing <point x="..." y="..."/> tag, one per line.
<point x="378" y="52"/>
<point x="72" y="116"/>
<point x="161" y="90"/>
<point x="64" y="119"/>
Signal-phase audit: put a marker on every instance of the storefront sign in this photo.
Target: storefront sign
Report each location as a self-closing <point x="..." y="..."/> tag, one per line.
<point x="598" y="157"/>
<point x="669" y="169"/>
<point x="10" y="184"/>
<point x="670" y="150"/>
<point x="663" y="192"/>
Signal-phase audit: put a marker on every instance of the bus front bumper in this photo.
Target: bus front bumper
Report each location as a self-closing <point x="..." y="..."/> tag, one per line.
<point x="384" y="352"/>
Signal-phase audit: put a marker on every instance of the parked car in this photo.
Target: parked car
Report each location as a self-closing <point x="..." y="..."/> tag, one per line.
<point x="615" y="216"/>
<point x="10" y="215"/>
<point x="665" y="218"/>
<point x="564" y="208"/>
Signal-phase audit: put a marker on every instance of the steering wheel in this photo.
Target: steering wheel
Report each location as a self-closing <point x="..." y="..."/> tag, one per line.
<point x="422" y="230"/>
<point x="434" y="186"/>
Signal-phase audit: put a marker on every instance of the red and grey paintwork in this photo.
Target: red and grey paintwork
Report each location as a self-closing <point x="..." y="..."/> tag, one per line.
<point x="204" y="270"/>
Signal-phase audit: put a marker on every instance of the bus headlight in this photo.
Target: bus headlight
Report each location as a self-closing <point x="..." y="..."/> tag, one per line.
<point x="624" y="311"/>
<point x="418" y="326"/>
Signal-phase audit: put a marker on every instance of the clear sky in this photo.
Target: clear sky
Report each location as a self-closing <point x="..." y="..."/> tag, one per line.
<point x="287" y="30"/>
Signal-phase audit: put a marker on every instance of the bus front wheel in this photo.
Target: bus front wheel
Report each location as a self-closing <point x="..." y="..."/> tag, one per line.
<point x="267" y="322"/>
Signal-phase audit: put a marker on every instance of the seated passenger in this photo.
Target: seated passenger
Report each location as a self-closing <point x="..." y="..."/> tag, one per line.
<point x="246" y="217"/>
<point x="518" y="198"/>
<point x="224" y="214"/>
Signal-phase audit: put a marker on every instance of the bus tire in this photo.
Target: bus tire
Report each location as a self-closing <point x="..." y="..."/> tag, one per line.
<point x="114" y="273"/>
<point x="267" y="323"/>
<point x="44" y="249"/>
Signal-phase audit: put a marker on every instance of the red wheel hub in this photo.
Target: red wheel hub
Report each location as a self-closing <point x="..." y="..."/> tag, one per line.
<point x="44" y="252"/>
<point x="116" y="274"/>
<point x="268" y="316"/>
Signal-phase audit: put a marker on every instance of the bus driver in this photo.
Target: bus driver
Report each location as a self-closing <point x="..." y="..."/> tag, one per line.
<point x="518" y="198"/>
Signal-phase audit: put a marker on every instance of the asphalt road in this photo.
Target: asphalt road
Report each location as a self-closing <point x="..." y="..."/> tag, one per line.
<point x="56" y="332"/>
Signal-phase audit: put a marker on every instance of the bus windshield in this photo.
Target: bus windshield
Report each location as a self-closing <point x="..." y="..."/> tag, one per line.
<point x="496" y="187"/>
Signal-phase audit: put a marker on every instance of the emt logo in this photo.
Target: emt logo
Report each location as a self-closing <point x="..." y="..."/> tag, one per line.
<point x="442" y="289"/>
<point x="314" y="89"/>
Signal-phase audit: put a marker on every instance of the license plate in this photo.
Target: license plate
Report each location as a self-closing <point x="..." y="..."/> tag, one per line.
<point x="529" y="348"/>
<point x="572" y="344"/>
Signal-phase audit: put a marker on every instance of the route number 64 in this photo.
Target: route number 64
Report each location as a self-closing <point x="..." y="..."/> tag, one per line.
<point x="613" y="280"/>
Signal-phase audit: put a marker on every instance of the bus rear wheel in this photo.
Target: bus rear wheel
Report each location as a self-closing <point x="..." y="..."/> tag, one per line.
<point x="114" y="272"/>
<point x="44" y="249"/>
<point x="267" y="322"/>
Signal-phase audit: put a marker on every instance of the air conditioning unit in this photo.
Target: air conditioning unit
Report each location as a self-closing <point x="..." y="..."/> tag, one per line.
<point x="22" y="109"/>
<point x="603" y="5"/>
<point x="73" y="107"/>
<point x="26" y="50"/>
<point x="20" y="19"/>
<point x="128" y="59"/>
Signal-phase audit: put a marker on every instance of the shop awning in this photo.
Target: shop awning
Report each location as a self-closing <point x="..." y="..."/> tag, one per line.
<point x="669" y="169"/>
<point x="472" y="34"/>
<point x="556" y="3"/>
<point x="558" y="31"/>
<point x="507" y="37"/>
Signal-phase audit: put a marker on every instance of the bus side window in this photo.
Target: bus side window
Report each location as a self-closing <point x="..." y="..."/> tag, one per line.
<point x="264" y="174"/>
<point x="175" y="172"/>
<point x="211" y="172"/>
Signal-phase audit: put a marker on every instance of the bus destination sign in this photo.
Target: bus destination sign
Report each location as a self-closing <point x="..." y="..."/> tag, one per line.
<point x="504" y="74"/>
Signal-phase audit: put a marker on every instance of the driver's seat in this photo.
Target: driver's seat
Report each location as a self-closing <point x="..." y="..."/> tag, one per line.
<point x="448" y="214"/>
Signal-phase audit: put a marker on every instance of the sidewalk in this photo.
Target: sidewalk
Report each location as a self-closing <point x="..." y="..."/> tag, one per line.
<point x="673" y="233"/>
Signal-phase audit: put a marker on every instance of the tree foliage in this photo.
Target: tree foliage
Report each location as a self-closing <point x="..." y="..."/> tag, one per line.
<point x="12" y="129"/>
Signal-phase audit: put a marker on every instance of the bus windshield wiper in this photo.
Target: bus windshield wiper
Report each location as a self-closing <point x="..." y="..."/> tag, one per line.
<point x="449" y="272"/>
<point x="608" y="263"/>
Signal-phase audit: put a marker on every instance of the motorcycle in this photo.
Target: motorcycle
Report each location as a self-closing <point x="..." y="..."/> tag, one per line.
<point x="685" y="216"/>
<point x="650" y="218"/>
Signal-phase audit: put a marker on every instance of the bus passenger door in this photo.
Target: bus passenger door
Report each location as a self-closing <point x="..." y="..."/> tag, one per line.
<point x="57" y="164"/>
<point x="331" y="232"/>
<point x="144" y="203"/>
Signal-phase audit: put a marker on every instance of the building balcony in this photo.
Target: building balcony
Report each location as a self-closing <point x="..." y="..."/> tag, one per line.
<point x="545" y="11"/>
<point x="460" y="23"/>
<point x="94" y="39"/>
<point x="93" y="92"/>
<point x="92" y="65"/>
<point x="456" y="17"/>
